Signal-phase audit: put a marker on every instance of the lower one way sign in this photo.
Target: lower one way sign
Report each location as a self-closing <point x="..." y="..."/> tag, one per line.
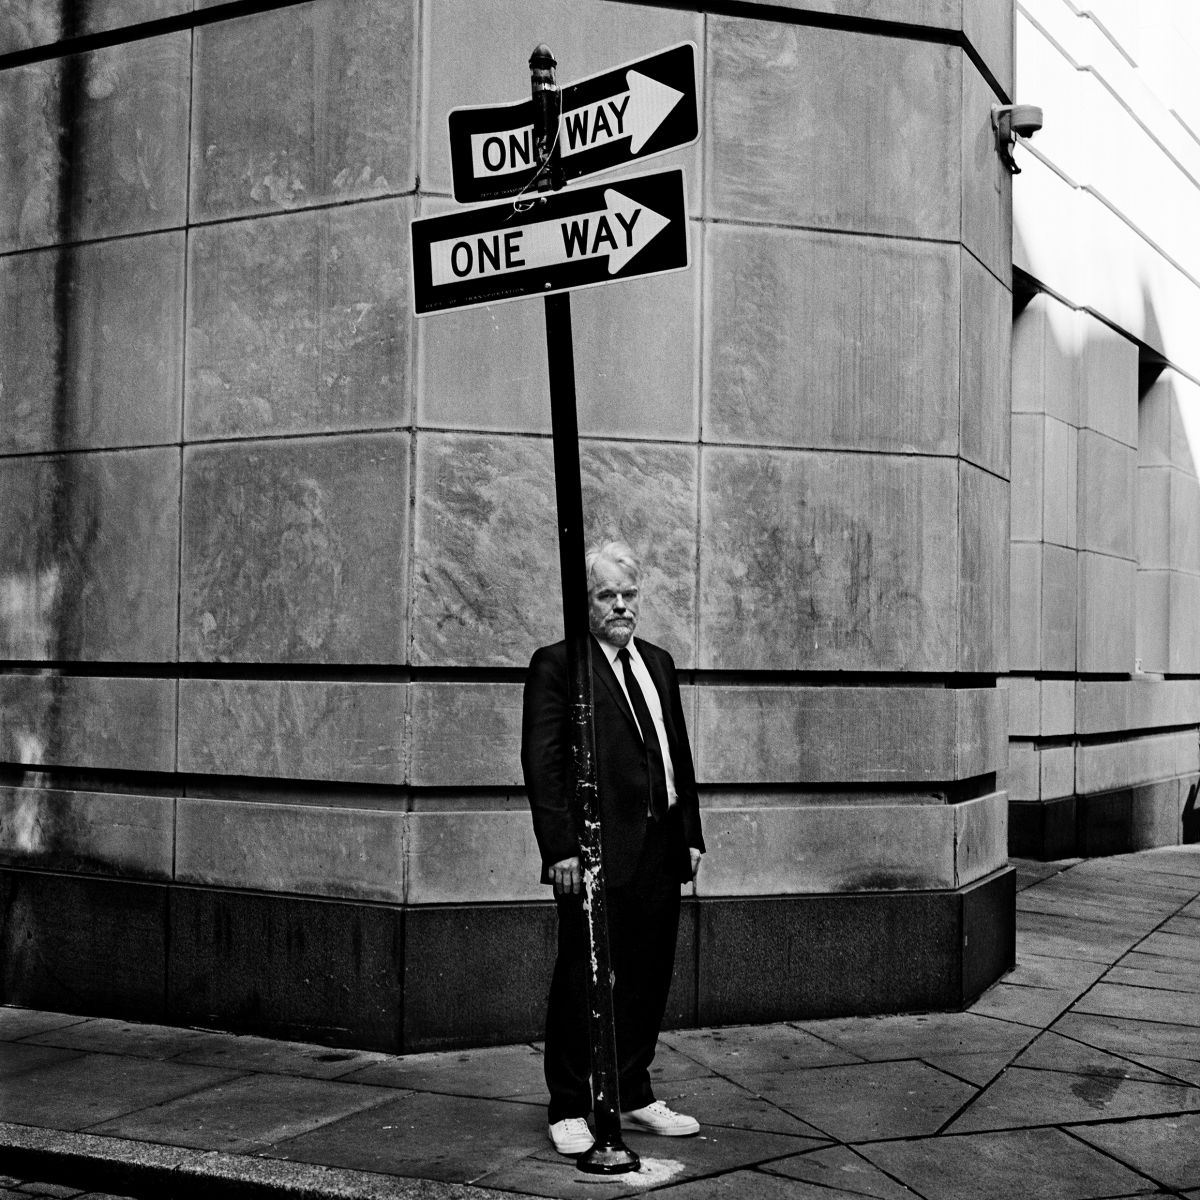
<point x="550" y="242"/>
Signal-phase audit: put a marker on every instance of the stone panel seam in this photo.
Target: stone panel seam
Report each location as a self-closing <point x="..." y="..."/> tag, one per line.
<point x="141" y="31"/>
<point x="182" y="416"/>
<point x="1104" y="737"/>
<point x="955" y="843"/>
<point x="960" y="587"/>
<point x="252" y="672"/>
<point x="405" y="873"/>
<point x="703" y="312"/>
<point x="1004" y="283"/>
<point x="962" y="215"/>
<point x="832" y="231"/>
<point x="388" y="197"/>
<point x="423" y="57"/>
<point x="898" y="30"/>
<point x="847" y="451"/>
<point x="406" y="750"/>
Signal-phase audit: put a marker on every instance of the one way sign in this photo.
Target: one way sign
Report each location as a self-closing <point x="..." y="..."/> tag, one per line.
<point x="563" y="240"/>
<point x="631" y="112"/>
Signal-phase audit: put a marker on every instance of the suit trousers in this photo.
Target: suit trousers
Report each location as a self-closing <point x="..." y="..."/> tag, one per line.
<point x="643" y="925"/>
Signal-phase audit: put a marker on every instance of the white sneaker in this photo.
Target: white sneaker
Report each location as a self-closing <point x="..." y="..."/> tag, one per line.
<point x="571" y="1135"/>
<point x="658" y="1118"/>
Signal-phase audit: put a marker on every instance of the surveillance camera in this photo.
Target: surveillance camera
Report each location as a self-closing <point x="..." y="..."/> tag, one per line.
<point x="1011" y="121"/>
<point x="1026" y="119"/>
<point x="1022" y="119"/>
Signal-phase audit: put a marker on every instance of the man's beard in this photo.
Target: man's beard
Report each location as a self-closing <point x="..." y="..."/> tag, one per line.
<point x="618" y="633"/>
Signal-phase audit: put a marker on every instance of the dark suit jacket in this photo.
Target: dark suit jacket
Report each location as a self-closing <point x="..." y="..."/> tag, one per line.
<point x="622" y="777"/>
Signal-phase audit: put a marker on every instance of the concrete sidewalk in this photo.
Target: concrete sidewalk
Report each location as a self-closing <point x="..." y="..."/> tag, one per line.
<point x="1078" y="1076"/>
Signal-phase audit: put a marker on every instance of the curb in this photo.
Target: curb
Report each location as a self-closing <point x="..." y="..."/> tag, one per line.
<point x="173" y="1173"/>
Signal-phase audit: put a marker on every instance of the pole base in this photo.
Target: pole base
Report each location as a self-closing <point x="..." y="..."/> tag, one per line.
<point x="609" y="1158"/>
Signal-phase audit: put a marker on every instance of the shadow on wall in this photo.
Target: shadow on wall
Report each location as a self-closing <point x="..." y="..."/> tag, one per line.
<point x="1167" y="526"/>
<point x="53" y="504"/>
<point x="1169" y="510"/>
<point x="1105" y="578"/>
<point x="1191" y="817"/>
<point x="50" y="548"/>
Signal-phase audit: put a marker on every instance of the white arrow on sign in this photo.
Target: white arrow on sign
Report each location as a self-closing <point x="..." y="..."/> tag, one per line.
<point x="634" y="113"/>
<point x="620" y="230"/>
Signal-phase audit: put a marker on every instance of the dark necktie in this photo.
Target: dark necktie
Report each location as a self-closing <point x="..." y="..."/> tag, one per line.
<point x="654" y="758"/>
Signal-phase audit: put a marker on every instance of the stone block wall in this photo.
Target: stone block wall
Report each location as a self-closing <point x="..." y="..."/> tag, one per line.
<point x="1104" y="707"/>
<point x="276" y="554"/>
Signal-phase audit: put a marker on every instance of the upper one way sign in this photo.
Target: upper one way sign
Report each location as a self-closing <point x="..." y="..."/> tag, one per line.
<point x="619" y="116"/>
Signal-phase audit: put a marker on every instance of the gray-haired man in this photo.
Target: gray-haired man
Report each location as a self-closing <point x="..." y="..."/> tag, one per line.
<point x="651" y="839"/>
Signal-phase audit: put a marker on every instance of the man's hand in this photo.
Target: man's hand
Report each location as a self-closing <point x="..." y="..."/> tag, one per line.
<point x="567" y="876"/>
<point x="696" y="854"/>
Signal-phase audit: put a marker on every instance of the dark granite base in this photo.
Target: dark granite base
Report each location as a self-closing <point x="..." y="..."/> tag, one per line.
<point x="77" y="944"/>
<point x="291" y="968"/>
<point x="424" y="978"/>
<point x="786" y="958"/>
<point x="1117" y="822"/>
<point x="1042" y="829"/>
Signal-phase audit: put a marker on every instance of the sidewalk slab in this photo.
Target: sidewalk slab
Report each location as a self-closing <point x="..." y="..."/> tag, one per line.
<point x="722" y="1103"/>
<point x="1175" y="946"/>
<point x="1131" y="1038"/>
<point x="714" y="1152"/>
<point x="1050" y="936"/>
<point x="16" y="1058"/>
<point x="839" y="1171"/>
<point x="1169" y="1151"/>
<point x="505" y="1071"/>
<point x="1023" y="1099"/>
<point x="977" y="1069"/>
<point x="142" y="1169"/>
<point x="245" y="1115"/>
<point x="122" y="1037"/>
<point x="1035" y="970"/>
<point x="1181" y="1070"/>
<point x="919" y="1035"/>
<point x="1030" y="1006"/>
<point x="1032" y="871"/>
<point x="424" y="1135"/>
<point x="1053" y="1052"/>
<point x="250" y="1053"/>
<point x="90" y="1088"/>
<point x="1141" y="1004"/>
<point x="28" y="1022"/>
<point x="867" y="1101"/>
<point x="1183" y="924"/>
<point x="1149" y="971"/>
<point x="738" y="1185"/>
<point x="1043" y="1163"/>
<point x="1097" y="879"/>
<point x="757" y="1047"/>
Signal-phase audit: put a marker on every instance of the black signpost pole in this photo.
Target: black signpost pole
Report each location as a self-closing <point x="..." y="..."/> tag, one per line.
<point x="609" y="1156"/>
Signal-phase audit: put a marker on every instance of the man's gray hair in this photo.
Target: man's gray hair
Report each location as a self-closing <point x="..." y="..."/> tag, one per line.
<point x="613" y="552"/>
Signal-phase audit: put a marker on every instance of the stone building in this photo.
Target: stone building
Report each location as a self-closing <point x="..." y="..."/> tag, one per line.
<point x="1105" y="566"/>
<point x="274" y="553"/>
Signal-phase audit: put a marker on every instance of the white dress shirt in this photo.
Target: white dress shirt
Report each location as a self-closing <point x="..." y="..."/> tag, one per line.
<point x="653" y="703"/>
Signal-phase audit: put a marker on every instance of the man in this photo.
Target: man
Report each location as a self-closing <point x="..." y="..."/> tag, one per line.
<point x="651" y="843"/>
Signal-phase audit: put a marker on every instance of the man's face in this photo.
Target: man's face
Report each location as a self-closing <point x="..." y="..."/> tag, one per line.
<point x="612" y="602"/>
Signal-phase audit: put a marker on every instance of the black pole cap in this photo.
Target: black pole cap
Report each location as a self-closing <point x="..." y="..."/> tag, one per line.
<point x="541" y="57"/>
